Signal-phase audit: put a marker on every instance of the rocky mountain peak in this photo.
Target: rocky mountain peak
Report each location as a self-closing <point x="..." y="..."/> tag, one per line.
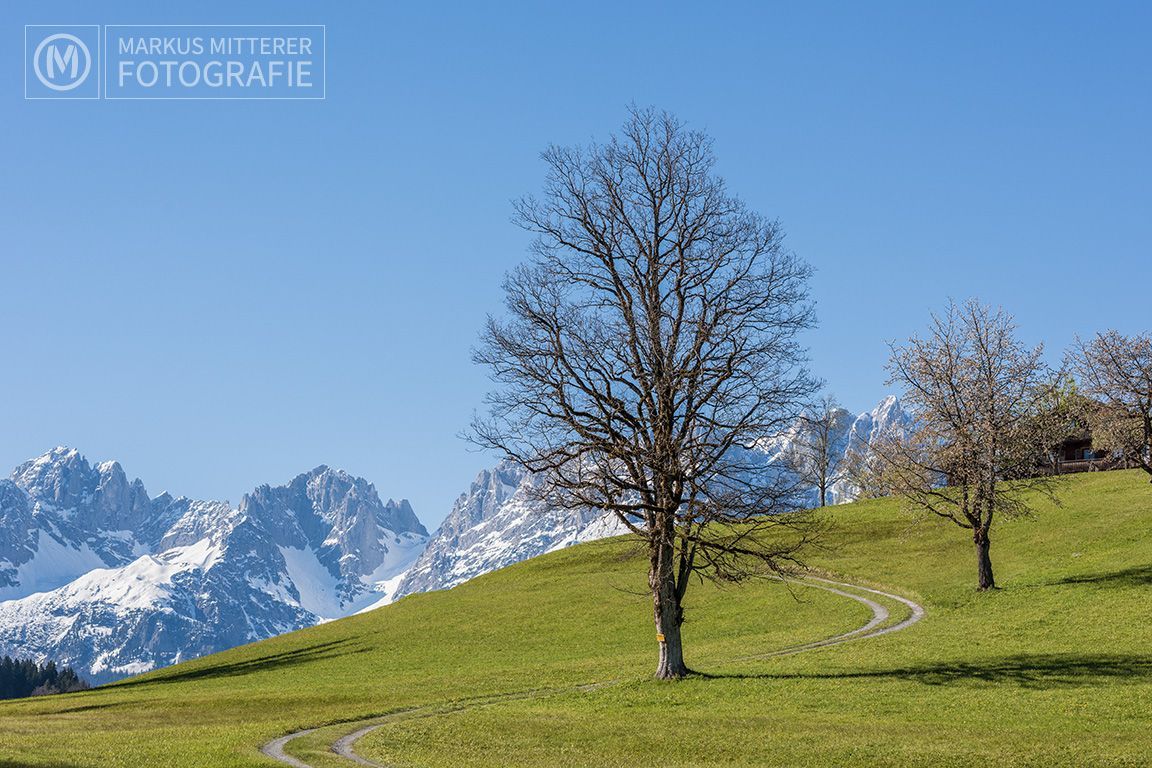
<point x="90" y="498"/>
<point x="885" y="419"/>
<point x="61" y="477"/>
<point x="499" y="521"/>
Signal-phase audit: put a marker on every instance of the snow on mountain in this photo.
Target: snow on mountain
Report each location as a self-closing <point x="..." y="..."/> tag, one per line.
<point x="336" y="536"/>
<point x="497" y="522"/>
<point x="96" y="574"/>
<point x="786" y="449"/>
<point x="886" y="420"/>
<point x="848" y="434"/>
<point x="60" y="517"/>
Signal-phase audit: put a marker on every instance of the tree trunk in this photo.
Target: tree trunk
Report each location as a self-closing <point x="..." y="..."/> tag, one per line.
<point x="668" y="613"/>
<point x="823" y="496"/>
<point x="983" y="560"/>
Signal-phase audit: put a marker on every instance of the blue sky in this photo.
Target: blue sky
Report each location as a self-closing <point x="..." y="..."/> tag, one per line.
<point x="220" y="294"/>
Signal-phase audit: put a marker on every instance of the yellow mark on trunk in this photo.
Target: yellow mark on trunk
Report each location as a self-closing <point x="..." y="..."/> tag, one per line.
<point x="659" y="637"/>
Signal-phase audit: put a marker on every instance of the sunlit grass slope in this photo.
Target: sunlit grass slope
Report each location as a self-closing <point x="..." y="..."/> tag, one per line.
<point x="1054" y="669"/>
<point x="573" y="617"/>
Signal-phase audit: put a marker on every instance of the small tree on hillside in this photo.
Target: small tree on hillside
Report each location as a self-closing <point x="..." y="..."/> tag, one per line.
<point x="649" y="344"/>
<point x="1115" y="373"/>
<point x="979" y="402"/>
<point x="817" y="453"/>
<point x="865" y="470"/>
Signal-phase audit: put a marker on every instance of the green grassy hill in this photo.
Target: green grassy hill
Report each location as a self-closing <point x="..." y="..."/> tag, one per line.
<point x="1055" y="669"/>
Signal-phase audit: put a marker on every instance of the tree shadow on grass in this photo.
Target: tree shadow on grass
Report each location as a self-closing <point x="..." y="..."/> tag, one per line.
<point x="1026" y="670"/>
<point x="1139" y="576"/>
<point x="274" y="661"/>
<point x="85" y="708"/>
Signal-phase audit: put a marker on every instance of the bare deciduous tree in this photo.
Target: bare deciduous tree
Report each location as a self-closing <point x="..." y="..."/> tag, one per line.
<point x="979" y="399"/>
<point x="817" y="454"/>
<point x="1115" y="373"/>
<point x="649" y="344"/>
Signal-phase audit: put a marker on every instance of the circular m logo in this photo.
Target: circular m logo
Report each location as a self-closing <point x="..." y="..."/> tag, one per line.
<point x="62" y="61"/>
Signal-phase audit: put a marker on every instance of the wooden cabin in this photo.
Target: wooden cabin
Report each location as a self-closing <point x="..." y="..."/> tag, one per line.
<point x="1076" y="454"/>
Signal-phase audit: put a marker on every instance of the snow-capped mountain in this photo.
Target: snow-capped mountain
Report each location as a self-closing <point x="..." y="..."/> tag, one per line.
<point x="797" y="449"/>
<point x="61" y="517"/>
<point x="96" y="574"/>
<point x="500" y="521"/>
<point x="886" y="420"/>
<point x="848" y="434"/>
